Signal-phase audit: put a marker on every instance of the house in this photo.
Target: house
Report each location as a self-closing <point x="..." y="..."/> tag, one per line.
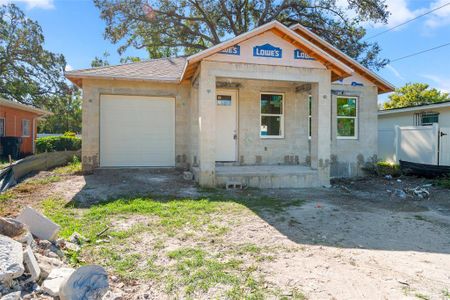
<point x="20" y="120"/>
<point x="273" y="107"/>
<point x="418" y="133"/>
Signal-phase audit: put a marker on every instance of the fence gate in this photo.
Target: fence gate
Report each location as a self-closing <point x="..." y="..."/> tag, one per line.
<point x="444" y="149"/>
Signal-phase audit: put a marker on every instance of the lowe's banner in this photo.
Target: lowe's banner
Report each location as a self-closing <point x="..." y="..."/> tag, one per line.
<point x="299" y="54"/>
<point x="267" y="50"/>
<point x="233" y="50"/>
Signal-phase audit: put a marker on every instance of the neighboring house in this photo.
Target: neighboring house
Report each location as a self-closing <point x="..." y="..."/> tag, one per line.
<point x="418" y="133"/>
<point x="274" y="107"/>
<point x="20" y="120"/>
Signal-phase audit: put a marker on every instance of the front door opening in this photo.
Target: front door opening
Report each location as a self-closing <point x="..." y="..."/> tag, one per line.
<point x="226" y="126"/>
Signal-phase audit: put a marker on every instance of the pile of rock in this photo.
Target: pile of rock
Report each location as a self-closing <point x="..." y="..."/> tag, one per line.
<point x="32" y="262"/>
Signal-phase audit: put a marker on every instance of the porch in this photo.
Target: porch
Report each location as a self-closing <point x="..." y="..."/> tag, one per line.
<point x="268" y="176"/>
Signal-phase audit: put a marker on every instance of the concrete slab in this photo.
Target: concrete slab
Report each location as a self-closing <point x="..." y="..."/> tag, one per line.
<point x="11" y="258"/>
<point x="39" y="225"/>
<point x="55" y="279"/>
<point x="31" y="264"/>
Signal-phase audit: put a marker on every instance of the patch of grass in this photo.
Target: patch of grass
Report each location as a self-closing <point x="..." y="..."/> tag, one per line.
<point x="422" y="296"/>
<point x="384" y="168"/>
<point x="198" y="270"/>
<point x="420" y="218"/>
<point x="446" y="294"/>
<point x="443" y="182"/>
<point x="72" y="168"/>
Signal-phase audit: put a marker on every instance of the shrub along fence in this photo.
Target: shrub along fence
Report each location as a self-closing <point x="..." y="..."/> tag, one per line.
<point x="58" y="143"/>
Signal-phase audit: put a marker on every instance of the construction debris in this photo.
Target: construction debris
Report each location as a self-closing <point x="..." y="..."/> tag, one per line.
<point x="87" y="282"/>
<point x="11" y="260"/>
<point x="34" y="267"/>
<point x="40" y="226"/>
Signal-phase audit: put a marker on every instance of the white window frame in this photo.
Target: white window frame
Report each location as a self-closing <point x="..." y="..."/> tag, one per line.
<point x="428" y="113"/>
<point x="4" y="127"/>
<point x="356" y="118"/>
<point x="281" y="136"/>
<point x="23" y="128"/>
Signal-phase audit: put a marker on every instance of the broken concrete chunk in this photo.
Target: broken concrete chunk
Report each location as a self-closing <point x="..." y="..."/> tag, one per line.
<point x="11" y="258"/>
<point x="87" y="282"/>
<point x="47" y="264"/>
<point x="55" y="279"/>
<point x="31" y="264"/>
<point x="39" y="225"/>
<point x="112" y="296"/>
<point x="11" y="296"/>
<point x="16" y="230"/>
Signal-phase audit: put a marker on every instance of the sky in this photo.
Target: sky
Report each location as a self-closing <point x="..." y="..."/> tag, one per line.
<point x="74" y="28"/>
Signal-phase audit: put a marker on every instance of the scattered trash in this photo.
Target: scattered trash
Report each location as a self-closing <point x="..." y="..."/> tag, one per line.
<point x="388" y="177"/>
<point x="400" y="193"/>
<point x="420" y="192"/>
<point x="399" y="180"/>
<point x="188" y="175"/>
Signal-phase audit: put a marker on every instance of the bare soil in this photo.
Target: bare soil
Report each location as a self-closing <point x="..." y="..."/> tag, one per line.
<point x="354" y="240"/>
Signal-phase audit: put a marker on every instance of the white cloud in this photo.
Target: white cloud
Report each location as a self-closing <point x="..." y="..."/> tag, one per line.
<point x="68" y="68"/>
<point x="30" y="4"/>
<point x="442" y="84"/>
<point x="399" y="12"/>
<point x="395" y="72"/>
<point x="440" y="17"/>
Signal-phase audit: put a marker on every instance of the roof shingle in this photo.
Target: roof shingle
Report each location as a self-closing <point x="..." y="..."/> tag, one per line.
<point x="163" y="69"/>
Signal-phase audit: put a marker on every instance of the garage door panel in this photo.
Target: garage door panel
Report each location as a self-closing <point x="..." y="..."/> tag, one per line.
<point x="137" y="131"/>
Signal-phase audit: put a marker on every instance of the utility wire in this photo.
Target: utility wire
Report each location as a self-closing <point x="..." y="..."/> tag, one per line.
<point x="413" y="19"/>
<point x="420" y="52"/>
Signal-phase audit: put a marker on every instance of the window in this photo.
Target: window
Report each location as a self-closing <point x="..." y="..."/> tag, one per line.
<point x="25" y="127"/>
<point x="347" y="117"/>
<point x="309" y="116"/>
<point x="272" y="122"/>
<point x="2" y="127"/>
<point x="429" y="118"/>
<point x="223" y="100"/>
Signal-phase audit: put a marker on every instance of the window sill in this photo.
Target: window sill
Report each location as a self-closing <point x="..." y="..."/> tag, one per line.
<point x="347" y="138"/>
<point x="271" y="137"/>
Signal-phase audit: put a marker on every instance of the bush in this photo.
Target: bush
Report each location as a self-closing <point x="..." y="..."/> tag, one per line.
<point x="70" y="133"/>
<point x="58" y="143"/>
<point x="386" y="168"/>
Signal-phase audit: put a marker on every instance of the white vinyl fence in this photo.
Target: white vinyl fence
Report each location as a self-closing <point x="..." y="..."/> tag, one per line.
<point x="420" y="144"/>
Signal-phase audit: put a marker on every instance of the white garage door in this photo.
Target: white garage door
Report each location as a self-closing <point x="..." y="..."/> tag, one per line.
<point x="137" y="131"/>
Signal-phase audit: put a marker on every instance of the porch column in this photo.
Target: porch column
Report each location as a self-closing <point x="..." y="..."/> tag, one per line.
<point x="321" y="129"/>
<point x="207" y="126"/>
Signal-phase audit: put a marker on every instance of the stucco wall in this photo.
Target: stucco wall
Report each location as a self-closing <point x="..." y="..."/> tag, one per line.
<point x="13" y="126"/>
<point x="93" y="89"/>
<point x="349" y="155"/>
<point x="294" y="144"/>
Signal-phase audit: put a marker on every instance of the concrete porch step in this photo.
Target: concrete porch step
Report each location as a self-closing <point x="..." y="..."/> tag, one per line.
<point x="276" y="176"/>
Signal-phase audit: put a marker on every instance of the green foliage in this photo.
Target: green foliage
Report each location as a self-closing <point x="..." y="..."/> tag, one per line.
<point x="66" y="111"/>
<point x="70" y="133"/>
<point x="443" y="182"/>
<point x="72" y="168"/>
<point x="386" y="168"/>
<point x="28" y="72"/>
<point x="100" y="61"/>
<point x="413" y="94"/>
<point x="57" y="143"/>
<point x="192" y="26"/>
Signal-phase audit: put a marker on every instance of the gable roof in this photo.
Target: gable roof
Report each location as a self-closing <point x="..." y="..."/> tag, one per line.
<point x="383" y="85"/>
<point x="160" y="70"/>
<point x="421" y="107"/>
<point x="175" y="70"/>
<point x="24" y="107"/>
<point x="338" y="68"/>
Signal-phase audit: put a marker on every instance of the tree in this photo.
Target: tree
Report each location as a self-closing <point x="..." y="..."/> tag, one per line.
<point x="172" y="27"/>
<point x="413" y="94"/>
<point x="66" y="111"/>
<point x="27" y="71"/>
<point x="100" y="61"/>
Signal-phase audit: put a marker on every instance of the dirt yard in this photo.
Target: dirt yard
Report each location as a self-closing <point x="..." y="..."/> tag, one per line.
<point x="168" y="239"/>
